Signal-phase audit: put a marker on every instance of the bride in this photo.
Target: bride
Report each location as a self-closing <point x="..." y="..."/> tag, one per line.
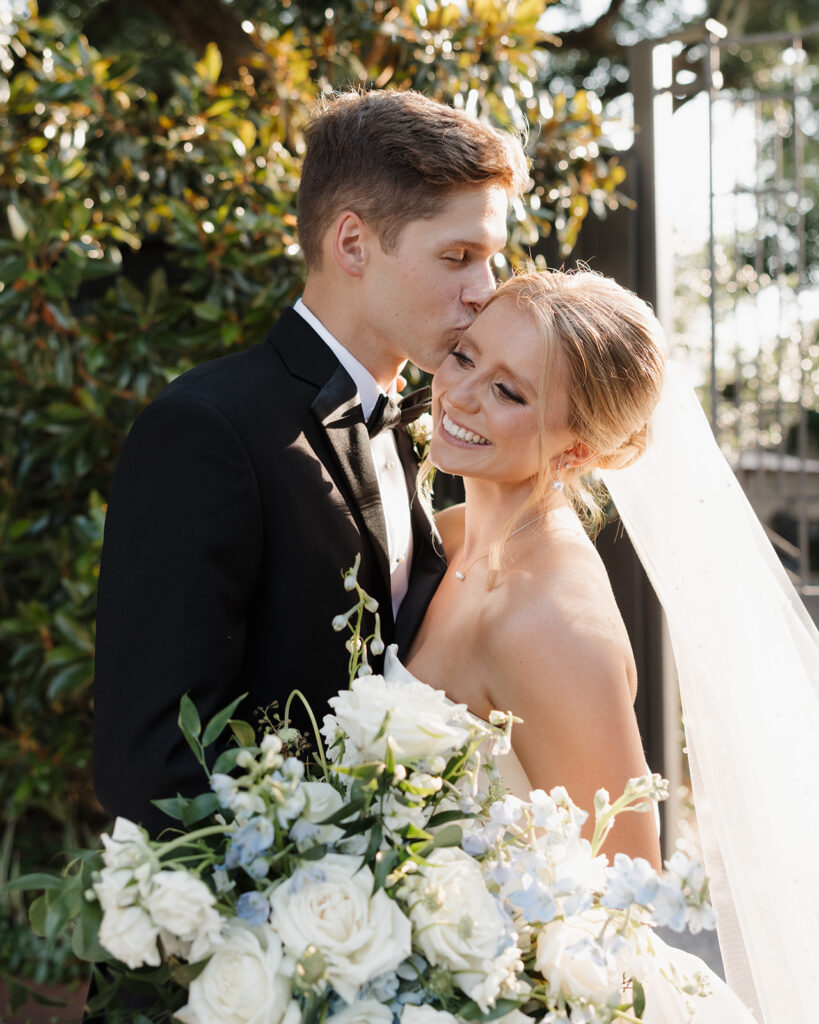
<point x="560" y="374"/>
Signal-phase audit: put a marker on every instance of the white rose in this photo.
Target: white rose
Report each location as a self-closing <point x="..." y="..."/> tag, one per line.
<point x="183" y="905"/>
<point x="129" y="935"/>
<point x="574" y="963"/>
<point x="426" y="1015"/>
<point x="127" y="846"/>
<point x="414" y="719"/>
<point x="460" y="925"/>
<point x="243" y="982"/>
<point x="364" y="1011"/>
<point x="116" y="887"/>
<point x="331" y="905"/>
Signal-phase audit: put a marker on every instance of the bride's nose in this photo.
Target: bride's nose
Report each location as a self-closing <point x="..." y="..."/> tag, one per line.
<point x="463" y="395"/>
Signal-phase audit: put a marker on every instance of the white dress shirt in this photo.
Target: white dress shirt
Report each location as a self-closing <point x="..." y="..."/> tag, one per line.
<point x="388" y="469"/>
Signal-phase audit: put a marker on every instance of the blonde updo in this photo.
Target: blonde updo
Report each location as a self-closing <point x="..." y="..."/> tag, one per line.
<point x="607" y="347"/>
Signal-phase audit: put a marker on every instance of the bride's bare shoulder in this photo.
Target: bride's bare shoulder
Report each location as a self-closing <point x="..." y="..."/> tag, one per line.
<point x="558" y="614"/>
<point x="450" y="523"/>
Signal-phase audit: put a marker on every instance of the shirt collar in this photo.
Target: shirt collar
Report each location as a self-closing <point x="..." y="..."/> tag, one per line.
<point x="368" y="388"/>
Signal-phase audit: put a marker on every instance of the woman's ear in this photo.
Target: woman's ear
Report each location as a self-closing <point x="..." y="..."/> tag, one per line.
<point x="349" y="243"/>
<point x="579" y="454"/>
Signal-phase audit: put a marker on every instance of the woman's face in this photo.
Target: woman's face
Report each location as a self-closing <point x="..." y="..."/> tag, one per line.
<point x="485" y="400"/>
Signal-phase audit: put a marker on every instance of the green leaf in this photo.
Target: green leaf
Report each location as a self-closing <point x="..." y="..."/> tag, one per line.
<point x="218" y="723"/>
<point x="450" y="835"/>
<point x="37" y="916"/>
<point x="243" y="731"/>
<point x="473" y="1012"/>
<point x="184" y="974"/>
<point x="226" y="761"/>
<point x="314" y="852"/>
<point x="385" y="862"/>
<point x="37" y="880"/>
<point x="189" y="717"/>
<point x="173" y="806"/>
<point x="638" y="999"/>
<point x="200" y="807"/>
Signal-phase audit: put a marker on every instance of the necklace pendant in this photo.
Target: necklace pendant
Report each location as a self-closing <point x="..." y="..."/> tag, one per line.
<point x="460" y="575"/>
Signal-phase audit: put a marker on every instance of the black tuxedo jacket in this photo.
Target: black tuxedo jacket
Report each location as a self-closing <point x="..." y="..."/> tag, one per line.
<point x="241" y="494"/>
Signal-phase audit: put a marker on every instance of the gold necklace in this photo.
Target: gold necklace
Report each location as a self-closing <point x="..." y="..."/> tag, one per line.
<point x="460" y="574"/>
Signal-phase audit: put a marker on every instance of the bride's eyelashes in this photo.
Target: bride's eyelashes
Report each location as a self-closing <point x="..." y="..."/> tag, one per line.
<point x="461" y="358"/>
<point x="507" y="394"/>
<point x="510" y="395"/>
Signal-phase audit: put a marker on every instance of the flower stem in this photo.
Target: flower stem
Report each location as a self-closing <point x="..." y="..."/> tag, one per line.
<point x="313" y="722"/>
<point x="189" y="837"/>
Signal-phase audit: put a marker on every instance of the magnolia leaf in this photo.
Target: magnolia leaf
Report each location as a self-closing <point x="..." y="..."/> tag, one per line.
<point x="246" y="131"/>
<point x="210" y="66"/>
<point x="18" y="226"/>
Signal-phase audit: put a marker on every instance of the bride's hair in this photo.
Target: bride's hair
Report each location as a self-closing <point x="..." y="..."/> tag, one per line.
<point x="607" y="347"/>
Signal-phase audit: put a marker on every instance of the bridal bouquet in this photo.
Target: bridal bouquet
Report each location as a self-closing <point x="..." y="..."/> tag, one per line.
<point x="387" y="878"/>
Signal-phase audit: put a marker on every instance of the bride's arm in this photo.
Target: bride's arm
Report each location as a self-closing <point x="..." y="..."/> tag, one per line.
<point x="569" y="682"/>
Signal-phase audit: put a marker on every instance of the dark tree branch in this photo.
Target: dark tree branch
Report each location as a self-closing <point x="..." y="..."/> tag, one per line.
<point x="597" y="38"/>
<point x="199" y="22"/>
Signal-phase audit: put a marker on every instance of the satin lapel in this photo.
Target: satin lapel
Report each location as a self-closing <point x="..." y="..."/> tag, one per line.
<point x="338" y="410"/>
<point x="428" y="564"/>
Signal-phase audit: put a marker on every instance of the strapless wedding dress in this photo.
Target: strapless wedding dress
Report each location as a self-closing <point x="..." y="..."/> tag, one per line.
<point x="665" y="1004"/>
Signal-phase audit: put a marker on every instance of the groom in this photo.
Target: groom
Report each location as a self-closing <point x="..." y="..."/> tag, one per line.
<point x="251" y="482"/>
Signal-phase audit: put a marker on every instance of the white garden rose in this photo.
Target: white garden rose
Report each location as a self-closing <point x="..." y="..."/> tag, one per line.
<point x="116" y="887"/>
<point x="331" y="905"/>
<point x="243" y="982"/>
<point x="127" y="846"/>
<point x="363" y="1011"/>
<point x="574" y="963"/>
<point x="129" y="935"/>
<point x="459" y="924"/>
<point x="416" y="720"/>
<point x="426" y="1015"/>
<point x="183" y="905"/>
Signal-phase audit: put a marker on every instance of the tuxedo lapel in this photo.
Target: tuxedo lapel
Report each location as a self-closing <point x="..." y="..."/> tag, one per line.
<point x="338" y="410"/>
<point x="428" y="563"/>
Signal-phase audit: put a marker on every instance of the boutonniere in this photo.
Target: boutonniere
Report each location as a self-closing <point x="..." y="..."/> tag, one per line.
<point x="420" y="432"/>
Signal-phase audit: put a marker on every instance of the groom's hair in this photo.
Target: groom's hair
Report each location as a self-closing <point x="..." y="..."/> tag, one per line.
<point x="392" y="158"/>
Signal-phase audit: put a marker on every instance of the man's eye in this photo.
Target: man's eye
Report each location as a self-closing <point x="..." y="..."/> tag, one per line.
<point x="455" y="257"/>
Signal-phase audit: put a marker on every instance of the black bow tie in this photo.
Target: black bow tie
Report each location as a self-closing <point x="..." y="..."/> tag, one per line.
<point x="387" y="413"/>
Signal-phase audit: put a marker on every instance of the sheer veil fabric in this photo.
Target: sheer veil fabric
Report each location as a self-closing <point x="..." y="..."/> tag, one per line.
<point x="747" y="658"/>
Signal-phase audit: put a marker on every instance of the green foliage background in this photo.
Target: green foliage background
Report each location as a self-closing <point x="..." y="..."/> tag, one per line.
<point x="147" y="224"/>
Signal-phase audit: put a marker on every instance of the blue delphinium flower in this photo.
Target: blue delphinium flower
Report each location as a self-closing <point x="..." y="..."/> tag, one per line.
<point x="630" y="881"/>
<point x="248" y="842"/>
<point x="253" y="907"/>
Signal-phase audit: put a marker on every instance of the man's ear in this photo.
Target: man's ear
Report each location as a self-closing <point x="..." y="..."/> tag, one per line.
<point x="350" y="243"/>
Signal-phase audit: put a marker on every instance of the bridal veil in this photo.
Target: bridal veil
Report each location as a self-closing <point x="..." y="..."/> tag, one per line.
<point x="747" y="658"/>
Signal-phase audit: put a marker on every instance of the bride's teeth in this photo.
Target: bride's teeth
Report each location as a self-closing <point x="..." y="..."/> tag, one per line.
<point x="461" y="432"/>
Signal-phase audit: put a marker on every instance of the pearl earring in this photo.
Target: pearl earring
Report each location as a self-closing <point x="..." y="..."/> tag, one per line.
<point x="557" y="483"/>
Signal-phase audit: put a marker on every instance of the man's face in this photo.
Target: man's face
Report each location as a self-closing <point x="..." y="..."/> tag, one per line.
<point x="418" y="297"/>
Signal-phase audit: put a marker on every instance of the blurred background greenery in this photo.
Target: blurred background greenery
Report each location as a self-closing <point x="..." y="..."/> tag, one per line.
<point x="149" y="158"/>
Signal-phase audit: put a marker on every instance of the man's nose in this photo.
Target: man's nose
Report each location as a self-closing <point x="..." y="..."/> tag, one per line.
<point x="479" y="287"/>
